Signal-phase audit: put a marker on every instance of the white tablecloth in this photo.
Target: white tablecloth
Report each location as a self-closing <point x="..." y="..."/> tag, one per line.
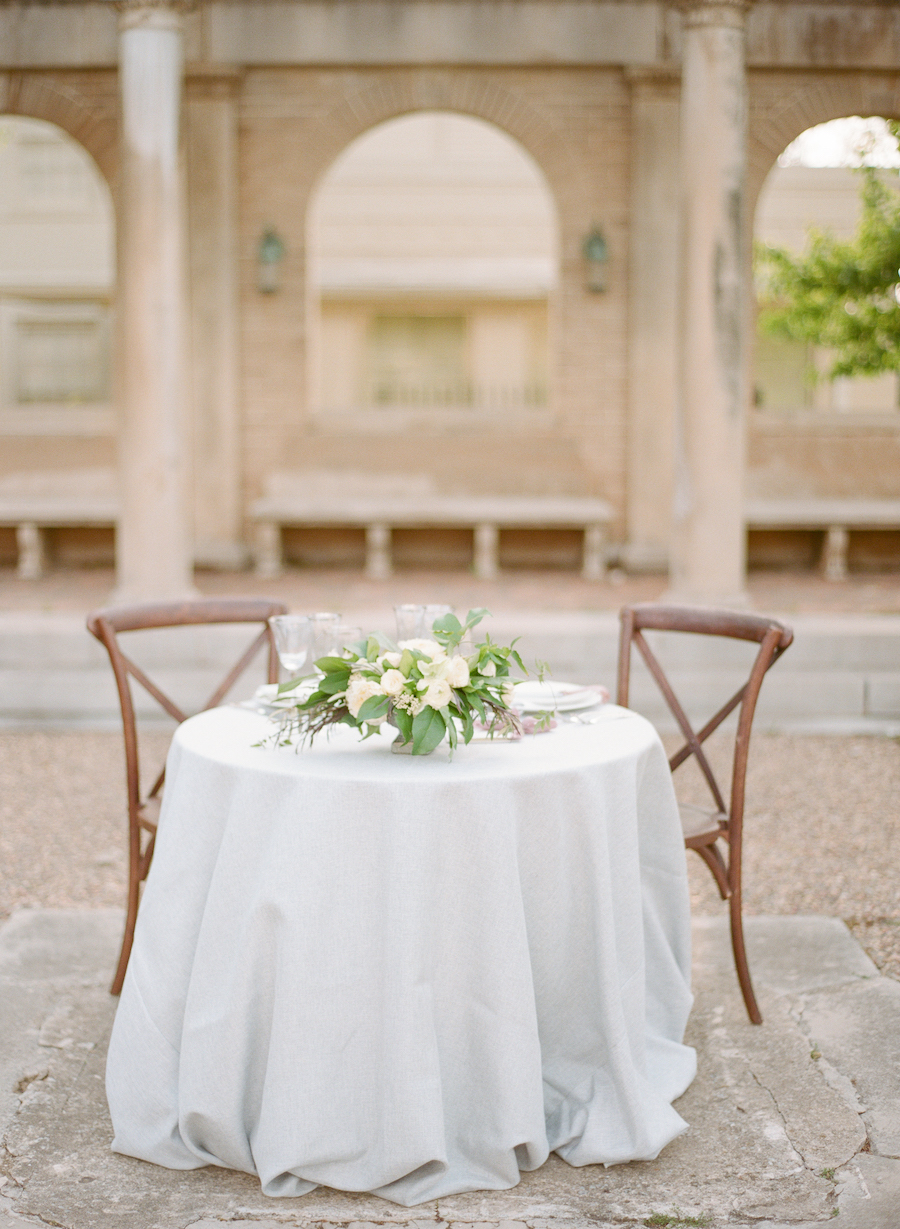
<point x="403" y="975"/>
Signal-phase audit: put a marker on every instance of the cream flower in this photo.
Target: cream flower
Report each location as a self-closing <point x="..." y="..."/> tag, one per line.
<point x="458" y="673"/>
<point x="392" y="682"/>
<point x="488" y="670"/>
<point x="438" y="693"/>
<point x="430" y="648"/>
<point x="359" y="690"/>
<point x="392" y="659"/>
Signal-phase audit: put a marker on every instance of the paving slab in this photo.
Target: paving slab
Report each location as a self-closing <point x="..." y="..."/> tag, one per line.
<point x="788" y="1122"/>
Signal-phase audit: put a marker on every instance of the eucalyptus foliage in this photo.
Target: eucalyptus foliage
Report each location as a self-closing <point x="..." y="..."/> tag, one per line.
<point x="427" y="689"/>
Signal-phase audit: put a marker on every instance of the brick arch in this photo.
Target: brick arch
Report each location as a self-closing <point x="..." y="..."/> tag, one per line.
<point x="462" y="93"/>
<point x="783" y="108"/>
<point x="36" y="96"/>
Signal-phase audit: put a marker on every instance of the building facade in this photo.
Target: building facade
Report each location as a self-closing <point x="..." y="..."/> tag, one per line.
<point x="224" y="125"/>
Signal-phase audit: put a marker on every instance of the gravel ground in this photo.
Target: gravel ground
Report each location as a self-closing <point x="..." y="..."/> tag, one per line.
<point x="822" y="833"/>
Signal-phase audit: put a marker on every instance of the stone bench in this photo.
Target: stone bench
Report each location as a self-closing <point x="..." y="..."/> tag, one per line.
<point x="837" y="517"/>
<point x="342" y="501"/>
<point x="39" y="500"/>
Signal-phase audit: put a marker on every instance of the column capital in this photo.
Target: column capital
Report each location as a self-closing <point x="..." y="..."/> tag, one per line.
<point x="727" y="14"/>
<point x="151" y="14"/>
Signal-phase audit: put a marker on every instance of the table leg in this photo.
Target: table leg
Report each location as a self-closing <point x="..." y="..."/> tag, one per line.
<point x="487" y="543"/>
<point x="32" y="548"/>
<point x="379" y="564"/>
<point x="594" y="559"/>
<point x="267" y="552"/>
<point x="834" y="553"/>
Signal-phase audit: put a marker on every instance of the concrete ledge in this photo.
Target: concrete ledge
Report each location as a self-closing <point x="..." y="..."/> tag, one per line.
<point x="840" y="675"/>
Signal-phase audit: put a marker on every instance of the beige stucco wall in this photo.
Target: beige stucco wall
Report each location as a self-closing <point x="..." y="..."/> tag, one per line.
<point x="590" y="96"/>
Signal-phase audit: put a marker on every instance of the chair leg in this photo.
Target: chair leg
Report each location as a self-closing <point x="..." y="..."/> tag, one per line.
<point x="740" y="959"/>
<point x="134" y="891"/>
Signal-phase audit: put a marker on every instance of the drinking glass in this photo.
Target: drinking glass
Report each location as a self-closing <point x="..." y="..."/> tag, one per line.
<point x="324" y="626"/>
<point x="346" y="636"/>
<point x="409" y="621"/>
<point x="430" y="613"/>
<point x="292" y="640"/>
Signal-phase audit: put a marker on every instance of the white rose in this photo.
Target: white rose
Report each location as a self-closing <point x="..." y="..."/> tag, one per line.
<point x="488" y="670"/>
<point x="392" y="659"/>
<point x="359" y="690"/>
<point x="430" y="648"/>
<point x="458" y="674"/>
<point x="392" y="682"/>
<point x="438" y="694"/>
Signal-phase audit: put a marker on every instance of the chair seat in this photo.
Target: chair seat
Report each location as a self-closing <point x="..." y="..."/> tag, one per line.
<point x="698" y="822"/>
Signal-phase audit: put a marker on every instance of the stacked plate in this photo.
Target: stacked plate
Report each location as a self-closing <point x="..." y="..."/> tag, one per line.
<point x="553" y="697"/>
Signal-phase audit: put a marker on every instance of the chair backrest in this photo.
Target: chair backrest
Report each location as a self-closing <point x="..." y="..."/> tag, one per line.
<point x="771" y="636"/>
<point x="107" y="625"/>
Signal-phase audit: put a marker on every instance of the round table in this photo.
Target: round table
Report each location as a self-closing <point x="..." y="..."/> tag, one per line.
<point x="402" y="974"/>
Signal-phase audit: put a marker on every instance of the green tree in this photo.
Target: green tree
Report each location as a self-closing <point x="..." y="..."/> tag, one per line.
<point x="842" y="294"/>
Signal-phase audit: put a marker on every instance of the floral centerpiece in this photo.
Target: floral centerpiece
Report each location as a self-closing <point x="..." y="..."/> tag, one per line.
<point x="429" y="689"/>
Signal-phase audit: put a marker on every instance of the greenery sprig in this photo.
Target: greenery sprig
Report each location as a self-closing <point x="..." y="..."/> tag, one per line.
<point x="429" y="689"/>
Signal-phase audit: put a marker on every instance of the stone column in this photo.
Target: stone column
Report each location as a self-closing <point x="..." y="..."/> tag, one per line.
<point x="211" y="144"/>
<point x="708" y="547"/>
<point x="653" y="271"/>
<point x="154" y="536"/>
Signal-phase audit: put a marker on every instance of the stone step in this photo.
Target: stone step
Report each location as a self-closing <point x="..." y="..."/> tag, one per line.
<point x="842" y="673"/>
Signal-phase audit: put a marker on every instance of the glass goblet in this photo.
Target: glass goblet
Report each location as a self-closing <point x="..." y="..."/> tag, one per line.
<point x="409" y="621"/>
<point x="292" y="636"/>
<point x="347" y="637"/>
<point x="323" y="634"/>
<point x="430" y="613"/>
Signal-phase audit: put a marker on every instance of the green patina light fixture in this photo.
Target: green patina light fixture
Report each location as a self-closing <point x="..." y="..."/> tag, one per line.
<point x="269" y="261"/>
<point x="595" y="251"/>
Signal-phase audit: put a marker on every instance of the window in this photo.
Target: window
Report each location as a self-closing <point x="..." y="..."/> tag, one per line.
<point x="60" y="361"/>
<point x="417" y="360"/>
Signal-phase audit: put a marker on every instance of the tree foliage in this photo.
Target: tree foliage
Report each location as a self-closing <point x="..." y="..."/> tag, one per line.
<point x="842" y="294"/>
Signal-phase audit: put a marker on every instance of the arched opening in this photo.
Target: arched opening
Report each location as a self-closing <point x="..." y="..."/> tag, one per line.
<point x="433" y="261"/>
<point x="826" y="425"/>
<point x="57" y="272"/>
<point x="815" y="185"/>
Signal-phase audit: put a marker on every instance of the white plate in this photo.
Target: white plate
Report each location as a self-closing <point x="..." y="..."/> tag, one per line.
<point x="554" y="697"/>
<point x="267" y="695"/>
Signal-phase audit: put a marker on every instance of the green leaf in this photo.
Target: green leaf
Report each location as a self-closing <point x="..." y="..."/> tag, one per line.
<point x="448" y="624"/>
<point x="334" y="665"/>
<point x="332" y="685"/>
<point x="404" y="722"/>
<point x="407" y="661"/>
<point x="474" y="617"/>
<point x="284" y="688"/>
<point x="375" y="706"/>
<point x="428" y="728"/>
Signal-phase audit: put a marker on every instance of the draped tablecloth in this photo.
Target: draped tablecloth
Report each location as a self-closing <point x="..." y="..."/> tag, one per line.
<point x="403" y="975"/>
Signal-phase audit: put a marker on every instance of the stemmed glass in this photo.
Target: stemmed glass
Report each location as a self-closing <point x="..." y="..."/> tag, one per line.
<point x="409" y="621"/>
<point x="292" y="641"/>
<point x="324" y="634"/>
<point x="414" y="622"/>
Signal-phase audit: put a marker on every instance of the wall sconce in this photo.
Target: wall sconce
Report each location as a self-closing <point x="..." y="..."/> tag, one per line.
<point x="595" y="251"/>
<point x="269" y="261"/>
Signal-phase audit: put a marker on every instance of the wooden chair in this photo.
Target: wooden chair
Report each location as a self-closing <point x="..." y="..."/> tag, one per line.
<point x="143" y="809"/>
<point x="708" y="830"/>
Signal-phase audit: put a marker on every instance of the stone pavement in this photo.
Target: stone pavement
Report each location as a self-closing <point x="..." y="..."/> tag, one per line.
<point x="790" y="1124"/>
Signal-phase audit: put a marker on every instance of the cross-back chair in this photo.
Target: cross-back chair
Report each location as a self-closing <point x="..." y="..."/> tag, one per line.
<point x="143" y="808"/>
<point x="707" y="830"/>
